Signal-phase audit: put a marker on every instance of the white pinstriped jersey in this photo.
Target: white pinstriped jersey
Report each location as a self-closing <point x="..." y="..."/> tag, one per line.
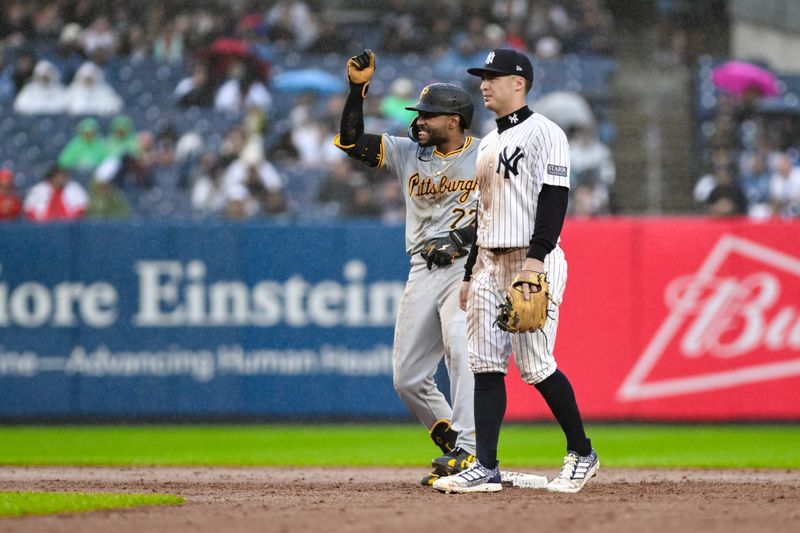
<point x="439" y="188"/>
<point x="512" y="167"/>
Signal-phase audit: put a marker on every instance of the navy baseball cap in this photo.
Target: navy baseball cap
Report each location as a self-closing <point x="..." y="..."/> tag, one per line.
<point x="505" y="62"/>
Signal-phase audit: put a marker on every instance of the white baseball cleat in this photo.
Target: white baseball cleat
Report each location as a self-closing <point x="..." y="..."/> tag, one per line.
<point x="476" y="478"/>
<point x="577" y="470"/>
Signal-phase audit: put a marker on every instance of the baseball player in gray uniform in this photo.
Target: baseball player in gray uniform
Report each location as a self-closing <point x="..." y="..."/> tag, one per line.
<point x="523" y="184"/>
<point x="436" y="167"/>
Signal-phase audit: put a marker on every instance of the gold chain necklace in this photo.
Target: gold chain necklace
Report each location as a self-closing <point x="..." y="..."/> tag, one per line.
<point x="449" y="163"/>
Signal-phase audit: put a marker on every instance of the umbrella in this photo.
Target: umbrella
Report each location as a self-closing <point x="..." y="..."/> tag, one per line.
<point x="565" y="108"/>
<point x="309" y="79"/>
<point x="737" y="77"/>
<point x="223" y="52"/>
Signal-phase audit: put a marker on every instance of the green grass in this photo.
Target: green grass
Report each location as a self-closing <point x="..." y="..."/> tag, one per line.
<point x="725" y="446"/>
<point x="40" y="503"/>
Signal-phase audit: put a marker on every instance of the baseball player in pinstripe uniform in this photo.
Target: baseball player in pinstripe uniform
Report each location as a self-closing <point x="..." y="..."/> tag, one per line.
<point x="436" y="167"/>
<point x="523" y="184"/>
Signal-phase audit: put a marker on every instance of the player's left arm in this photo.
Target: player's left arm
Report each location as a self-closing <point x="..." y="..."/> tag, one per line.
<point x="366" y="147"/>
<point x="551" y="205"/>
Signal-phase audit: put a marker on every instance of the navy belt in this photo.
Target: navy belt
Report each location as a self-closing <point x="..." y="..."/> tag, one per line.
<point x="501" y="251"/>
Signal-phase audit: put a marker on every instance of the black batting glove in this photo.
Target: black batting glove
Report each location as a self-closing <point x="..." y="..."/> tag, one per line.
<point x="444" y="250"/>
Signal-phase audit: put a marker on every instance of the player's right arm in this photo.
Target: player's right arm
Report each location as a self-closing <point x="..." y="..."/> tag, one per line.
<point x="365" y="147"/>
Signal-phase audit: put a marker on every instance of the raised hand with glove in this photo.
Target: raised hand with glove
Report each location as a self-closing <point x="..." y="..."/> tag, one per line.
<point x="360" y="69"/>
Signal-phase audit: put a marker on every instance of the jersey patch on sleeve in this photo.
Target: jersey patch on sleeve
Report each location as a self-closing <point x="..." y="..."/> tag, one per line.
<point x="557" y="170"/>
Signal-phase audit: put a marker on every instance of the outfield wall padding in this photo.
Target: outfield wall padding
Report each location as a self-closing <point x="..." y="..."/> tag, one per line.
<point x="682" y="319"/>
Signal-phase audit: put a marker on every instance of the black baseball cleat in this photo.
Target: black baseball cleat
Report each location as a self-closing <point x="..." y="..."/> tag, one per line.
<point x="452" y="462"/>
<point x="428" y="479"/>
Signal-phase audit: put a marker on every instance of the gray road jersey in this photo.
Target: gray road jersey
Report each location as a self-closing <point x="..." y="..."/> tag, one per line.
<point x="439" y="189"/>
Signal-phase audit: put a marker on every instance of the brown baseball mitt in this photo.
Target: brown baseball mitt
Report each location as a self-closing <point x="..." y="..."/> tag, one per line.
<point x="518" y="315"/>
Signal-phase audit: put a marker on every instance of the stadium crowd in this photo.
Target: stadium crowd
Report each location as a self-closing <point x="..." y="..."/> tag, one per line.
<point x="56" y="56"/>
<point x="274" y="156"/>
<point x="751" y="151"/>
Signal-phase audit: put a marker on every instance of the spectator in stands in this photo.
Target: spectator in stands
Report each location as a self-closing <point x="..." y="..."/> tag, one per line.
<point x="16" y="24"/>
<point x="166" y="141"/>
<point x="311" y="137"/>
<point x="10" y="202"/>
<point x="755" y="180"/>
<point x="44" y="94"/>
<point x="338" y="189"/>
<point x="260" y="179"/>
<point x="197" y="89"/>
<point x="57" y="197"/>
<point x="168" y="46"/>
<point x="330" y="37"/>
<point x="240" y="203"/>
<point x="138" y="173"/>
<point x="392" y="202"/>
<point x="440" y="37"/>
<point x="89" y="94"/>
<point x="364" y="205"/>
<point x="506" y="11"/>
<point x="393" y="105"/>
<point x="242" y="90"/>
<point x="725" y="197"/>
<point x="69" y="54"/>
<point x="583" y="201"/>
<point x="208" y="193"/>
<point x="548" y="48"/>
<point x="86" y="150"/>
<point x="515" y="36"/>
<point x="592" y="165"/>
<point x="47" y="20"/>
<point x="594" y="29"/>
<point x="99" y="40"/>
<point x="232" y="145"/>
<point x="23" y="69"/>
<point x="105" y="199"/>
<point x="784" y="188"/>
<point x="133" y="43"/>
<point x="7" y="89"/>
<point x="402" y="35"/>
<point x="494" y="37"/>
<point x="291" y="24"/>
<point x="122" y="140"/>
<point x="549" y="18"/>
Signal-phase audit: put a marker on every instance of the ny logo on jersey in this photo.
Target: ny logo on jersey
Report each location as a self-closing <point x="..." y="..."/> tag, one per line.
<point x="510" y="163"/>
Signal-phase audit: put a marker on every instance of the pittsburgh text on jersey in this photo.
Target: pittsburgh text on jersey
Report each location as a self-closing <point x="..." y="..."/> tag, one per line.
<point x="421" y="187"/>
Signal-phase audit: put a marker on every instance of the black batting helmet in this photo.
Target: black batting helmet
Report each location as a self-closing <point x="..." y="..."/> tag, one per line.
<point x="444" y="98"/>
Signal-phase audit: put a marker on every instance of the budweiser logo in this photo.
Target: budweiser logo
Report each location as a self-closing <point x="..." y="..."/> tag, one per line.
<point x="733" y="322"/>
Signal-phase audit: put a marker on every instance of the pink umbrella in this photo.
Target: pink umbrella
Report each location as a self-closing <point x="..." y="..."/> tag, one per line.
<point x="737" y="77"/>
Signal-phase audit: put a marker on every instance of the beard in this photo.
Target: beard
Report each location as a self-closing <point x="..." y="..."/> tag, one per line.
<point x="435" y="138"/>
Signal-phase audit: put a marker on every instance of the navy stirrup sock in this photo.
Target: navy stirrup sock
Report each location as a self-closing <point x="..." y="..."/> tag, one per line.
<point x="490" y="408"/>
<point x="557" y="392"/>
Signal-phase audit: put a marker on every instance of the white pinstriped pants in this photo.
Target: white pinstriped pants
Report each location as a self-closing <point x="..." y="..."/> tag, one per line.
<point x="489" y="346"/>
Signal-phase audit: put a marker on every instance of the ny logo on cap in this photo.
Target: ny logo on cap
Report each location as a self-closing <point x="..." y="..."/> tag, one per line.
<point x="519" y="68"/>
<point x="490" y="58"/>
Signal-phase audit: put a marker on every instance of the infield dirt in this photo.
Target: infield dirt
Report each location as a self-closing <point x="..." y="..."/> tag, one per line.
<point x="382" y="499"/>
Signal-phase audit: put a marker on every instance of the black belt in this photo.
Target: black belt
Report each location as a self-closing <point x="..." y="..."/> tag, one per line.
<point x="501" y="251"/>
